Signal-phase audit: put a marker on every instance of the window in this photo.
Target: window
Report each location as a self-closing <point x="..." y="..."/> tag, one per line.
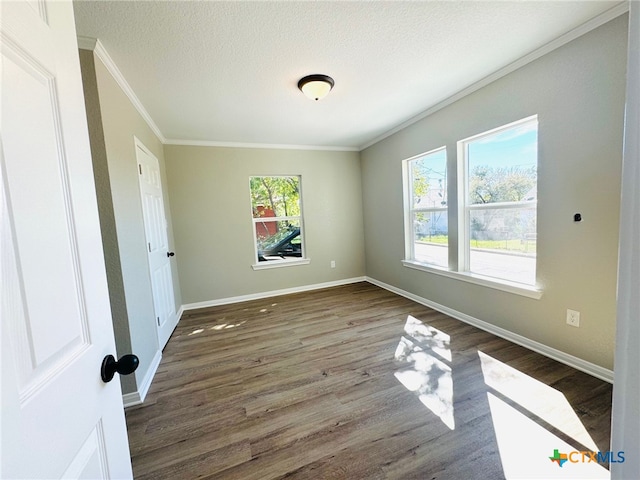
<point x="426" y="215"/>
<point x="277" y="220"/>
<point x="495" y="241"/>
<point x="498" y="197"/>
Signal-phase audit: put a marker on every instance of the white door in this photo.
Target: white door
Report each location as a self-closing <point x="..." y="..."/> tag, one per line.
<point x="58" y="419"/>
<point x="155" y="227"/>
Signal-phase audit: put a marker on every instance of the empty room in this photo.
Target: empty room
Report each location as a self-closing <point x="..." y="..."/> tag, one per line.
<point x="320" y="239"/>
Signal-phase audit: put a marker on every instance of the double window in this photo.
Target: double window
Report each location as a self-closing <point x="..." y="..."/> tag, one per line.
<point x="497" y="206"/>
<point x="277" y="219"/>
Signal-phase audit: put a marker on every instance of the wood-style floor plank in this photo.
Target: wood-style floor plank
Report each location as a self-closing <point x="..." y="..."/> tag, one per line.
<point x="349" y="382"/>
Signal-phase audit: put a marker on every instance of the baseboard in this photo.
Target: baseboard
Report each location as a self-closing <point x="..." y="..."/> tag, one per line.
<point x="562" y="357"/>
<point x="137" y="397"/>
<point x="180" y="312"/>
<point x="131" y="399"/>
<point x="272" y="293"/>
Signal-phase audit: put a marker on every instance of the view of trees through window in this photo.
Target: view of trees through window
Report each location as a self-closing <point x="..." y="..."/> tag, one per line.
<point x="276" y="211"/>
<point x="501" y="201"/>
<point x="497" y="195"/>
<point x="429" y="218"/>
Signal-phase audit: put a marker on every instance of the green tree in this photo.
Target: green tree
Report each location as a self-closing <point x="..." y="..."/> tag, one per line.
<point x="280" y="194"/>
<point x="420" y="181"/>
<point x="505" y="184"/>
<point x="493" y="185"/>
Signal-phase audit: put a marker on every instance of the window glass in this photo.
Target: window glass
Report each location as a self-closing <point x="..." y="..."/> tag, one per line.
<point x="427" y="216"/>
<point x="501" y="202"/>
<point x="277" y="218"/>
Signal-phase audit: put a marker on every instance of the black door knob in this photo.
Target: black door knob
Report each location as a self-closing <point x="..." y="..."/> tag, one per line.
<point x="170" y="254"/>
<point x="126" y="365"/>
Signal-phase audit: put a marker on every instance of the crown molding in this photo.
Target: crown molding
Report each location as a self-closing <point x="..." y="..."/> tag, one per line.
<point x="88" y="43"/>
<point x="274" y="146"/>
<point x="592" y="24"/>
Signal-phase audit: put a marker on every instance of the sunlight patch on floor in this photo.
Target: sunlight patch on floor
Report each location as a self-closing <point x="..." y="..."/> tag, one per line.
<point x="525" y="447"/>
<point x="536" y="397"/>
<point x="428" y="336"/>
<point x="225" y="326"/>
<point x="426" y="352"/>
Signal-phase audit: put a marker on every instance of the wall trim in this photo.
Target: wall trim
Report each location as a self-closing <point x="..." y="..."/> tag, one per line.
<point x="137" y="397"/>
<point x="205" y="143"/>
<point x="88" y="43"/>
<point x="562" y="40"/>
<point x="179" y="314"/>
<point x="562" y="357"/>
<point x="272" y="293"/>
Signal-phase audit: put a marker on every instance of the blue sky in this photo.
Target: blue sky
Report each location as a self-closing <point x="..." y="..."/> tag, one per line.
<point x="517" y="146"/>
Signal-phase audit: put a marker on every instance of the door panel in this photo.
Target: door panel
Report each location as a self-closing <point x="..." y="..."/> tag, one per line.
<point x="58" y="418"/>
<point x="44" y="344"/>
<point x="91" y="461"/>
<point x="155" y="225"/>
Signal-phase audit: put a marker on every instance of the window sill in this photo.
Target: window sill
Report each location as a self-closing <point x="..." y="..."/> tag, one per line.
<point x="280" y="264"/>
<point x="504" y="285"/>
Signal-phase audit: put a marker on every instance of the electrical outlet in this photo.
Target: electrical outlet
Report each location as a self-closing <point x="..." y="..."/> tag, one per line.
<point x="333" y="264"/>
<point x="573" y="318"/>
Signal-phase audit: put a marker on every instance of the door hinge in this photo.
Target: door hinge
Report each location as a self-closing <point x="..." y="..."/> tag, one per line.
<point x="149" y="244"/>
<point x="158" y="320"/>
<point x="140" y="168"/>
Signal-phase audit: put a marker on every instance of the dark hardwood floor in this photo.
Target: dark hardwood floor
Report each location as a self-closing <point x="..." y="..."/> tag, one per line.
<point x="355" y="382"/>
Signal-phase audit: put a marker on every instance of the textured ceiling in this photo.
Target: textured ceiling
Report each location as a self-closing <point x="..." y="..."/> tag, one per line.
<point x="228" y="71"/>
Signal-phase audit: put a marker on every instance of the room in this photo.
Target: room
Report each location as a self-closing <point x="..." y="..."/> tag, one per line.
<point x="572" y="78"/>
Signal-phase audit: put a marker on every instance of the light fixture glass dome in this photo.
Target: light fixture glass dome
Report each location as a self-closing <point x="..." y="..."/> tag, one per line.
<point x="316" y="86"/>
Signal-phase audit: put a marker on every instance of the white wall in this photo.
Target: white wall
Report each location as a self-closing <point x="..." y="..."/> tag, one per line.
<point x="210" y="202"/>
<point x="625" y="428"/>
<point x="577" y="91"/>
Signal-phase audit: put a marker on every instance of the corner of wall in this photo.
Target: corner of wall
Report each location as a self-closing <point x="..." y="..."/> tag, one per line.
<point x="105" y="210"/>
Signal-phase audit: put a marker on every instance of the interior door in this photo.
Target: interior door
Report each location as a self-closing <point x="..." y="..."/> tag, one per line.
<point x="155" y="226"/>
<point x="58" y="419"/>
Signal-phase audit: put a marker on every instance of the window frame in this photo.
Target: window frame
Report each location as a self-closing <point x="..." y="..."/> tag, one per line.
<point x="303" y="260"/>
<point x="410" y="211"/>
<point x="465" y="207"/>
<point x="459" y="234"/>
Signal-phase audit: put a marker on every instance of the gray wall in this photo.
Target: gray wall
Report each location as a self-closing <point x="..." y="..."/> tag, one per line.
<point x="578" y="93"/>
<point x="353" y="204"/>
<point x="113" y="123"/>
<point x="209" y="192"/>
<point x="117" y="297"/>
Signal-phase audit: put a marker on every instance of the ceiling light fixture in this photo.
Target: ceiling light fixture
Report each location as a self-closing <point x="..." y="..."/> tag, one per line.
<point x="316" y="86"/>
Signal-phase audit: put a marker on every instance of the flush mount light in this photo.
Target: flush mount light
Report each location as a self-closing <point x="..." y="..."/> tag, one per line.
<point x="316" y="86"/>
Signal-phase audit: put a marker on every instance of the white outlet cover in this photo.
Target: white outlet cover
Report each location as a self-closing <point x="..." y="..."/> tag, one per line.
<point x="573" y="318"/>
